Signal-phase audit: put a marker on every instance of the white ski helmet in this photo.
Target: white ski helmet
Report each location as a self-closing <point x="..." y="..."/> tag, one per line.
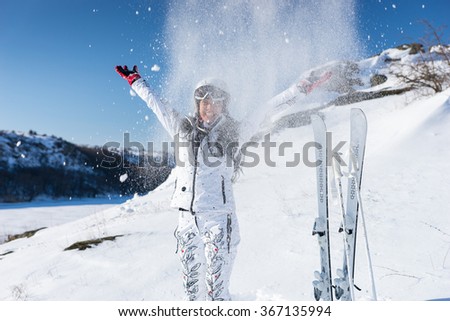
<point x="213" y="82"/>
<point x="214" y="87"/>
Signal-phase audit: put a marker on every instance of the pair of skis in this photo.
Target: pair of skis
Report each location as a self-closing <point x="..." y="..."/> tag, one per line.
<point x="344" y="283"/>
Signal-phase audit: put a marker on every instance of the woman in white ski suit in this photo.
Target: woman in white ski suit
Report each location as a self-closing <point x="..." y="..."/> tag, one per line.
<point x="207" y="157"/>
<point x="208" y="232"/>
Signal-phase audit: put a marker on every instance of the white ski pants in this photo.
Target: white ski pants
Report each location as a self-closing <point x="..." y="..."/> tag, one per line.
<point x="207" y="245"/>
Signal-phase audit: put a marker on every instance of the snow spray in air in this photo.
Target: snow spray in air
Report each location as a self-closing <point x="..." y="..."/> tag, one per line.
<point x="258" y="47"/>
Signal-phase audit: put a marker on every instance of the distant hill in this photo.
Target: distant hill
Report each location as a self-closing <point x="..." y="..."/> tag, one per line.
<point x="33" y="166"/>
<point x="392" y="72"/>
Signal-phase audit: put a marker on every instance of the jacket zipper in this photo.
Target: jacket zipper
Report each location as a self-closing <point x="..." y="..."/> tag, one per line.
<point x="195" y="173"/>
<point x="224" y="196"/>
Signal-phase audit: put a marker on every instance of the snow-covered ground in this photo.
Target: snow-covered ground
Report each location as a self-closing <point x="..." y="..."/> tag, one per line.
<point x="16" y="218"/>
<point x="405" y="190"/>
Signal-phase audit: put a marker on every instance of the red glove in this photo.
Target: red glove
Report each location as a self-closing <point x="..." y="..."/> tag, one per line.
<point x="129" y="75"/>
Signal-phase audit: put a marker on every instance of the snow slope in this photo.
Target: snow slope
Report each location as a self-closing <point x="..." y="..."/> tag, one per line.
<point x="405" y="188"/>
<point x="15" y="218"/>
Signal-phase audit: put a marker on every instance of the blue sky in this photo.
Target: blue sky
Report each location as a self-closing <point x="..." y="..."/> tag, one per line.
<point x="57" y="60"/>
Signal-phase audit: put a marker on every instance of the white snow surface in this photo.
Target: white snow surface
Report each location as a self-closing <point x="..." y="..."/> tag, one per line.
<point x="405" y="190"/>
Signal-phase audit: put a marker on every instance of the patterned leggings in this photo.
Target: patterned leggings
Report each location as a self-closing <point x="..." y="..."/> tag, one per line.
<point x="207" y="244"/>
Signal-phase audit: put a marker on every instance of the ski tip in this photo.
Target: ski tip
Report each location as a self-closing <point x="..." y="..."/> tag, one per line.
<point x="317" y="121"/>
<point x="315" y="118"/>
<point x="357" y="111"/>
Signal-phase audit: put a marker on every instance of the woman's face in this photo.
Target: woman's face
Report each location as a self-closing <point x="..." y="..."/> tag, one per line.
<point x="210" y="109"/>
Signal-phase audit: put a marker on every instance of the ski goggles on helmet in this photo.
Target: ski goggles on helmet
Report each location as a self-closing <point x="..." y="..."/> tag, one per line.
<point x="204" y="92"/>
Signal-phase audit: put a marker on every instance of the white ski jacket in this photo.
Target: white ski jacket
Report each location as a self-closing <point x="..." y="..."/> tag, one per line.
<point x="204" y="157"/>
<point x="204" y="174"/>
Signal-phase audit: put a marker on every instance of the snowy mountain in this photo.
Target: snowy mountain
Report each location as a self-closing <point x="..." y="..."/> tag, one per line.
<point x="129" y="249"/>
<point x="39" y="166"/>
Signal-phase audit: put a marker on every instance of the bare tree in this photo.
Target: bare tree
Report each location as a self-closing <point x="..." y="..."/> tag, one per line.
<point x="431" y="69"/>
